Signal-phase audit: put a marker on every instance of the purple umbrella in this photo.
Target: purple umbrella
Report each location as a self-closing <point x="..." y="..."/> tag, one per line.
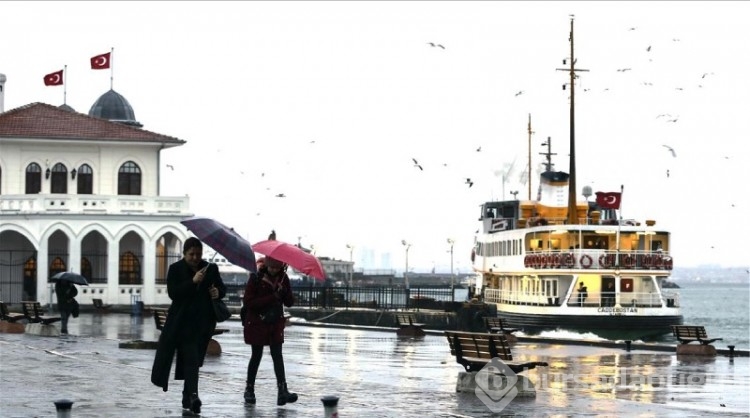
<point x="224" y="240"/>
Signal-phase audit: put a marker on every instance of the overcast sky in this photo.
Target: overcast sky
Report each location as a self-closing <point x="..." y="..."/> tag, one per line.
<point x="328" y="102"/>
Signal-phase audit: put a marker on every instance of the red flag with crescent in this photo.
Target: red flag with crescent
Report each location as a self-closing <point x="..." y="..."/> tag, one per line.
<point x="609" y="200"/>
<point x="100" y="62"/>
<point x="54" y="79"/>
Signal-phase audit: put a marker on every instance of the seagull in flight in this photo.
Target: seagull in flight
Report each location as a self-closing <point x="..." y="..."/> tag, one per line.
<point x="674" y="154"/>
<point x="416" y="164"/>
<point x="433" y="44"/>
<point x="520" y="92"/>
<point x="469" y="182"/>
<point x="281" y="195"/>
<point x="170" y="166"/>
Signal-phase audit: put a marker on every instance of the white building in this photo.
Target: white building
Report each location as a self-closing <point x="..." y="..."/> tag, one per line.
<point x="80" y="192"/>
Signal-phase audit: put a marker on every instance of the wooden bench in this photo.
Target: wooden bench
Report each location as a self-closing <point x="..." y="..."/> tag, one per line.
<point x="408" y="325"/>
<point x="686" y="334"/>
<point x="160" y="318"/>
<point x="100" y="306"/>
<point x="34" y="313"/>
<point x="7" y="315"/>
<point x="474" y="350"/>
<point x="495" y="325"/>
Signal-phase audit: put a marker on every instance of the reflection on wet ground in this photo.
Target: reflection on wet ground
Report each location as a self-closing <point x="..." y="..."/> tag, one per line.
<point x="375" y="374"/>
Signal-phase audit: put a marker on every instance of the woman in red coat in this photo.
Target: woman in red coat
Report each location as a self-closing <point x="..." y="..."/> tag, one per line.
<point x="264" y="324"/>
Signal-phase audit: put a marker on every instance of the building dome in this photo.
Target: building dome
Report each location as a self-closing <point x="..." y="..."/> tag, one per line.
<point x="67" y="107"/>
<point x="114" y="107"/>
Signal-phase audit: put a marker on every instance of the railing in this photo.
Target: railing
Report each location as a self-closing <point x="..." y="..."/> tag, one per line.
<point x="594" y="299"/>
<point x="599" y="259"/>
<point x="387" y="298"/>
<point x="113" y="204"/>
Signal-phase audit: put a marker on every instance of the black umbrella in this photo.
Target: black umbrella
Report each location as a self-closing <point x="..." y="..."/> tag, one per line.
<point x="74" y="278"/>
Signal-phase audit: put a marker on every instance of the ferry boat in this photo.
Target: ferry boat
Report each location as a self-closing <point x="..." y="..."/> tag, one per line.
<point x="559" y="263"/>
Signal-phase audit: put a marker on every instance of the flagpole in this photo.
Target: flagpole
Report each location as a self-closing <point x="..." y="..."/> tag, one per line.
<point x="111" y="69"/>
<point x="65" y="84"/>
<point x="619" y="223"/>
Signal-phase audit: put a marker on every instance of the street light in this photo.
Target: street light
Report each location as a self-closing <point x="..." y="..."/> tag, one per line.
<point x="406" y="269"/>
<point x="351" y="262"/>
<point x="451" y="242"/>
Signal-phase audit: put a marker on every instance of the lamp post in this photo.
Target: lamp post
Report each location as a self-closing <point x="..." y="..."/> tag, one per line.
<point x="406" y="269"/>
<point x="451" y="242"/>
<point x="351" y="262"/>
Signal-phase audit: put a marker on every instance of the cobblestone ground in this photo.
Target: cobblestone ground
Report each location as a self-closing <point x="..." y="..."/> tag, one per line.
<point x="374" y="373"/>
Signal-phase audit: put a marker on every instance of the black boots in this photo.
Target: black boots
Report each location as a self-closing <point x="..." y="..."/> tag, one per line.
<point x="250" y="394"/>
<point x="191" y="405"/>
<point x="284" y="395"/>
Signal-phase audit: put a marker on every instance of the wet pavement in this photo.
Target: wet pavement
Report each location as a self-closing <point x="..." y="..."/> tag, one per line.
<point x="373" y="372"/>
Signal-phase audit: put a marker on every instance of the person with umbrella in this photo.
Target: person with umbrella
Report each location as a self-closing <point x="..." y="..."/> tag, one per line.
<point x="65" y="291"/>
<point x="264" y="324"/>
<point x="192" y="284"/>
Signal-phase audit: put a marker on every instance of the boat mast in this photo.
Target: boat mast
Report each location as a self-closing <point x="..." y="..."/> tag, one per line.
<point x="572" y="207"/>
<point x="529" y="172"/>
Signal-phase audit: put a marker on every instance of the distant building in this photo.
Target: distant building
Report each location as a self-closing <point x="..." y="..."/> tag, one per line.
<point x="80" y="192"/>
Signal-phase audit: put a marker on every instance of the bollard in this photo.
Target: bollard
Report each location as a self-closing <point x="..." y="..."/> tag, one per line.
<point x="731" y="351"/>
<point x="63" y="407"/>
<point x="330" y="406"/>
<point x="627" y="345"/>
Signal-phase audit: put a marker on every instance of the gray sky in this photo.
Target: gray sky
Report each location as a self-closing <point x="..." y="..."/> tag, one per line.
<point x="328" y="102"/>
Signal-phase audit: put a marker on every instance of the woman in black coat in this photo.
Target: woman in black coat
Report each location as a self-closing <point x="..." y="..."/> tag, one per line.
<point x="192" y="283"/>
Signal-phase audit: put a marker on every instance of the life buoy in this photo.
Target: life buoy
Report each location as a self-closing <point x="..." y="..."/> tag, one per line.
<point x="628" y="261"/>
<point x="527" y="261"/>
<point x="545" y="260"/>
<point x="604" y="261"/>
<point x="568" y="260"/>
<point x="647" y="261"/>
<point x="658" y="261"/>
<point x="556" y="260"/>
<point x="586" y="261"/>
<point x="535" y="261"/>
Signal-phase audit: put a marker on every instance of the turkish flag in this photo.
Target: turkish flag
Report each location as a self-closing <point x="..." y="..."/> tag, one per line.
<point x="100" y="62"/>
<point x="54" y="79"/>
<point x="609" y="200"/>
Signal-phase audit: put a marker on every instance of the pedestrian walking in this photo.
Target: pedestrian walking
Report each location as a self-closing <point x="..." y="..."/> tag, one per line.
<point x="66" y="303"/>
<point x="264" y="323"/>
<point x="192" y="284"/>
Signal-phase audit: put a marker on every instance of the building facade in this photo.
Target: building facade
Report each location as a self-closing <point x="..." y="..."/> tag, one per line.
<point x="80" y="192"/>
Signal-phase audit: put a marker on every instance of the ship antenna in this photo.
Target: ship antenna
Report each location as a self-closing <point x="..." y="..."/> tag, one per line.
<point x="529" y="166"/>
<point x="572" y="207"/>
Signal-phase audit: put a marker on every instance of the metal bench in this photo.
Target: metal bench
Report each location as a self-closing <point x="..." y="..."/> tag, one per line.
<point x="686" y="334"/>
<point x="7" y="315"/>
<point x="34" y="313"/>
<point x="100" y="306"/>
<point x="160" y="318"/>
<point x="408" y="325"/>
<point x="474" y="350"/>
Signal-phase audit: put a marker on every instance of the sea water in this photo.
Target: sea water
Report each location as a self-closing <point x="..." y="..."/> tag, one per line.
<point x="723" y="308"/>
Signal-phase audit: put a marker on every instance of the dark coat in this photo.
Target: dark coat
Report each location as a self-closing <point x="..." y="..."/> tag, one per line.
<point x="259" y="297"/>
<point x="65" y="291"/>
<point x="190" y="317"/>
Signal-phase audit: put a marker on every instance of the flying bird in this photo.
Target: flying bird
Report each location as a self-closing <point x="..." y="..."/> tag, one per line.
<point x="674" y="154"/>
<point x="416" y="164"/>
<point x="281" y="195"/>
<point x="622" y="70"/>
<point x="469" y="182"/>
<point x="648" y="49"/>
<point x="433" y="44"/>
<point x="520" y="92"/>
<point x="667" y="173"/>
<point x="170" y="166"/>
<point x="479" y="149"/>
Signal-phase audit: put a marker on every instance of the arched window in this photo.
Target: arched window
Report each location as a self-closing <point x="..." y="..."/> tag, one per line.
<point x="85" y="179"/>
<point x="33" y="178"/>
<point x="129" y="179"/>
<point x="29" y="279"/>
<point x="57" y="266"/>
<point x="86" y="268"/>
<point x="59" y="179"/>
<point x="130" y="269"/>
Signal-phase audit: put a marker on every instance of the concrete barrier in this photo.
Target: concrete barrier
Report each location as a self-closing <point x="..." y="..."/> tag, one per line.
<point x="43" y="330"/>
<point x="466" y="383"/>
<point x="12" y="327"/>
<point x="696" y="350"/>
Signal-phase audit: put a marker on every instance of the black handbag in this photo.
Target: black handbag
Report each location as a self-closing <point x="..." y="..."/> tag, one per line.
<point x="74" y="308"/>
<point x="272" y="314"/>
<point x="221" y="311"/>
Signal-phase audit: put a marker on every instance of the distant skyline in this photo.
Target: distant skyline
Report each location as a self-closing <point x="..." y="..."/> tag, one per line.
<point x="306" y="117"/>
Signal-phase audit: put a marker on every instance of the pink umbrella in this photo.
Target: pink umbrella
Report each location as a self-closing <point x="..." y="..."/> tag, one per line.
<point x="291" y="254"/>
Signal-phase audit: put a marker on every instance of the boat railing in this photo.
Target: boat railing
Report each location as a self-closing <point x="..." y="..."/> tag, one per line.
<point x="599" y="259"/>
<point x="594" y="299"/>
<point x="543" y="220"/>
